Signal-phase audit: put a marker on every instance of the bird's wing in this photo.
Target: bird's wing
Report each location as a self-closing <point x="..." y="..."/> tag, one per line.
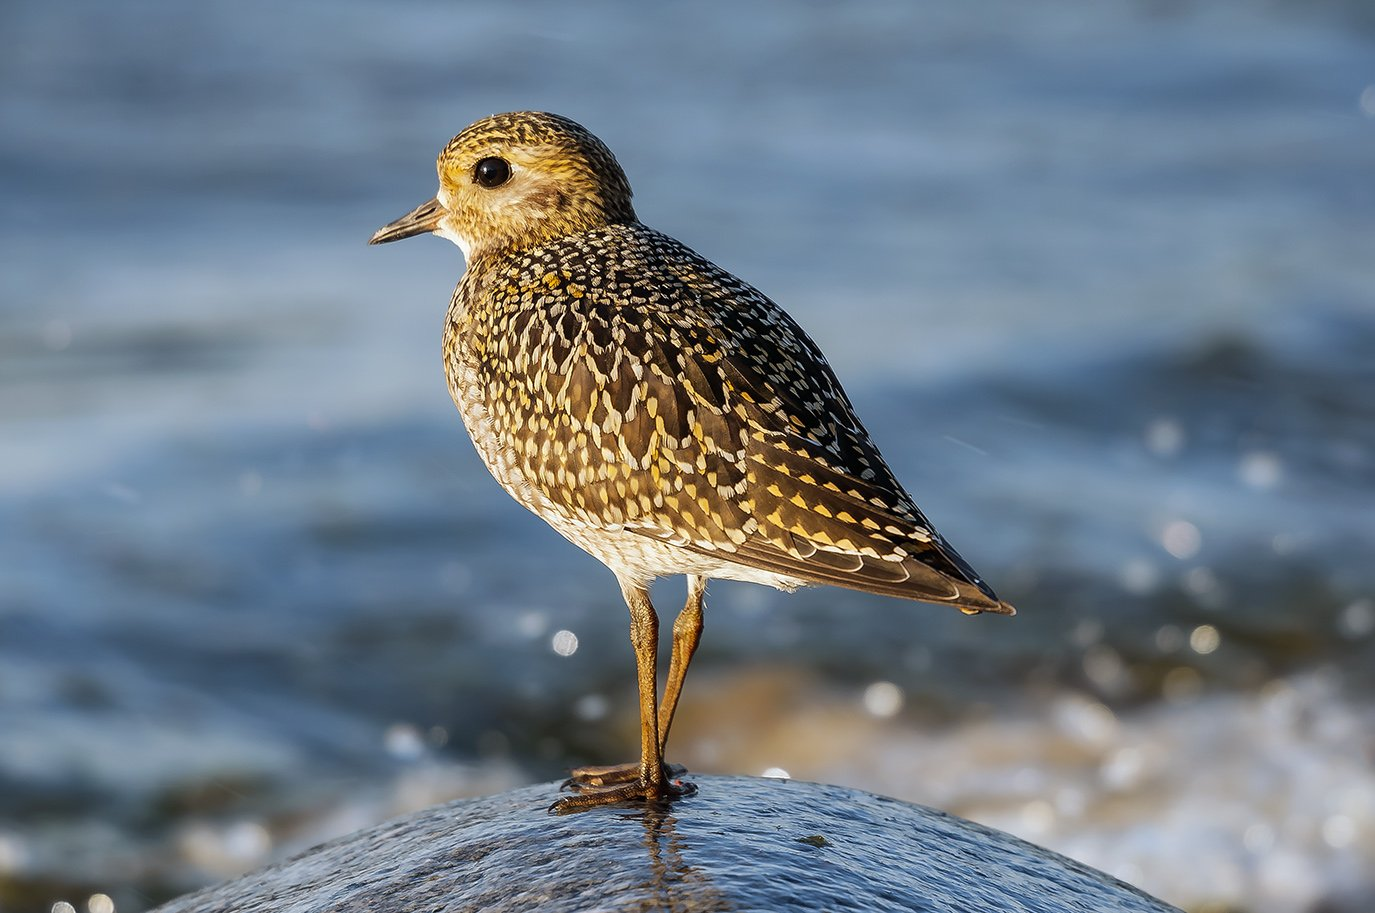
<point x="684" y="405"/>
<point x="819" y="502"/>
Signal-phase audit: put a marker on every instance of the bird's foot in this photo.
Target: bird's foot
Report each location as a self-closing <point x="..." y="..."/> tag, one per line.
<point x="597" y="776"/>
<point x="636" y="788"/>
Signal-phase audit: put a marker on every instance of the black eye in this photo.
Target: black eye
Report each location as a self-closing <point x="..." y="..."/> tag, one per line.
<point x="492" y="172"/>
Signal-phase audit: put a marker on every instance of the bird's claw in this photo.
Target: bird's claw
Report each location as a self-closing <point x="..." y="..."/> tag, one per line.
<point x="637" y="788"/>
<point x="598" y="776"/>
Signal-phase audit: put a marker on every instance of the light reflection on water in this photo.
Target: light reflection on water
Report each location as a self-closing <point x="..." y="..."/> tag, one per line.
<point x="1099" y="281"/>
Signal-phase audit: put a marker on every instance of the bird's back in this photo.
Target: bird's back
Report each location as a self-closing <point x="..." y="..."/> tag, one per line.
<point x="631" y="385"/>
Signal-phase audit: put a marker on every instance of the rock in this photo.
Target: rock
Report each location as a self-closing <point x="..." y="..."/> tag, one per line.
<point x="741" y="843"/>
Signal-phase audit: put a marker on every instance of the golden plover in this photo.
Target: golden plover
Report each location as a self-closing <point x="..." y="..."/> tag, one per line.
<point x="660" y="413"/>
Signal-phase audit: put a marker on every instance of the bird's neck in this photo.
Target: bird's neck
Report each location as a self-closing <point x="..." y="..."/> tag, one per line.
<point x="495" y="251"/>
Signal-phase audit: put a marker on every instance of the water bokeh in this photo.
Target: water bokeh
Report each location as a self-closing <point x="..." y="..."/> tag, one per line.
<point x="1098" y="278"/>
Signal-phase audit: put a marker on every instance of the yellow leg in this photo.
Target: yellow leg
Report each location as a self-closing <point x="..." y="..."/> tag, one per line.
<point x="687" y="633"/>
<point x="644" y="638"/>
<point x="650" y="779"/>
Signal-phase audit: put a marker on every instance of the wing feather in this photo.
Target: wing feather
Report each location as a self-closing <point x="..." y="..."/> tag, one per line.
<point x="685" y="405"/>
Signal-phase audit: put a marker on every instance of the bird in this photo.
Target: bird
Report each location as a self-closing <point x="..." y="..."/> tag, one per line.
<point x="661" y="414"/>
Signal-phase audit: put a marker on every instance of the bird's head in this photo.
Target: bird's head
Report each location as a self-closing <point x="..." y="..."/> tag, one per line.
<point x="511" y="181"/>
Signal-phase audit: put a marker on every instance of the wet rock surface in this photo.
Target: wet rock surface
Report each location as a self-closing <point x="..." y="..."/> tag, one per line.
<point x="740" y="844"/>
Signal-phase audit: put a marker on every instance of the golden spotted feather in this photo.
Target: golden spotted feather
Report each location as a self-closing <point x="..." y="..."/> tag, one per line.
<point x="636" y="386"/>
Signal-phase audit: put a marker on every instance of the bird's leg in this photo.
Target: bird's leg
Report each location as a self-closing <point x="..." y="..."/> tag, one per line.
<point x="687" y="633"/>
<point x="651" y="780"/>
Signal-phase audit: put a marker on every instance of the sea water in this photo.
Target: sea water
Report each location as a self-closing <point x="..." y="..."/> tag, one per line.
<point x="1098" y="278"/>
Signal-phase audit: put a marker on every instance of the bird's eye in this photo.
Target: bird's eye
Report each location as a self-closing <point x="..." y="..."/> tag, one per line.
<point x="492" y="172"/>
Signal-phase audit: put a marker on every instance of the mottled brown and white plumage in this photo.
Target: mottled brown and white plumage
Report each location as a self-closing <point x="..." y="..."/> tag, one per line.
<point x="660" y="413"/>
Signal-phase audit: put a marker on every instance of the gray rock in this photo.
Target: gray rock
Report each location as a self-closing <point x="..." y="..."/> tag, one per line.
<point x="740" y="844"/>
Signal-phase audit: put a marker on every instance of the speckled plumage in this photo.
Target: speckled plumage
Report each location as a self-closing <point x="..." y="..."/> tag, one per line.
<point x="657" y="411"/>
<point x="636" y="396"/>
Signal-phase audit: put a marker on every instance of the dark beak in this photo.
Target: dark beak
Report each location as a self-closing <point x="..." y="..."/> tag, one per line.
<point x="423" y="218"/>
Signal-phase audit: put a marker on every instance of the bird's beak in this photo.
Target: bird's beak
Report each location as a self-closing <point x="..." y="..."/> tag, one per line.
<point x="419" y="220"/>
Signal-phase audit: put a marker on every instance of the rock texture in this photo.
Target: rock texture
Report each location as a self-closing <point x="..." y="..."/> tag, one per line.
<point x="740" y="844"/>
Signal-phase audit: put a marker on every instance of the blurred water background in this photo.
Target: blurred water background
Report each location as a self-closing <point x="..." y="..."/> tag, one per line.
<point x="1099" y="277"/>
